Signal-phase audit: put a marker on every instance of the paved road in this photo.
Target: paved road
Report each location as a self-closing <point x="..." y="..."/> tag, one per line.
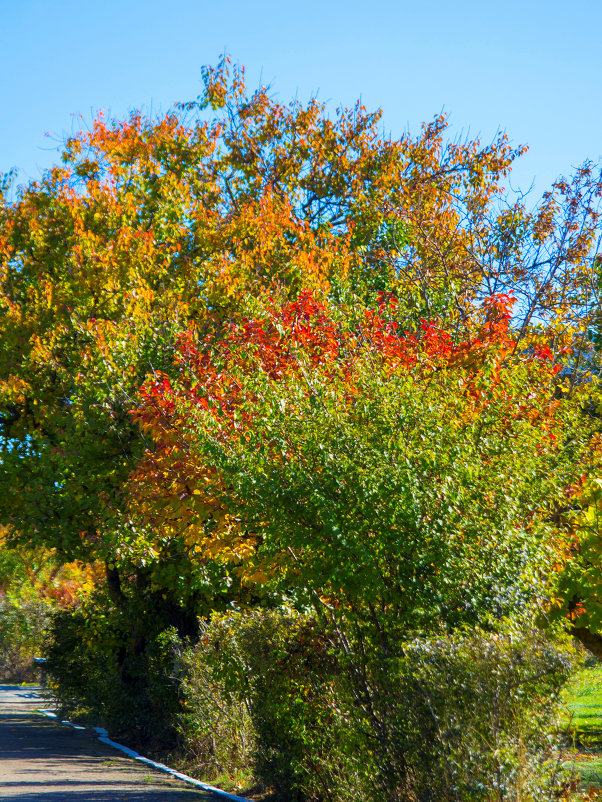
<point x="47" y="762"/>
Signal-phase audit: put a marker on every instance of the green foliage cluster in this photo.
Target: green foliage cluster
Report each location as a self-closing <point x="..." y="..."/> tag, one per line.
<point x="93" y="675"/>
<point x="415" y="505"/>
<point x="216" y="730"/>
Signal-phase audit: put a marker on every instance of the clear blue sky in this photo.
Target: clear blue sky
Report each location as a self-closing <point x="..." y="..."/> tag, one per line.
<point x="533" y="68"/>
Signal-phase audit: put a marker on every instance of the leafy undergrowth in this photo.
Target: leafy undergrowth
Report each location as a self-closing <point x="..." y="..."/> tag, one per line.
<point x="584" y="726"/>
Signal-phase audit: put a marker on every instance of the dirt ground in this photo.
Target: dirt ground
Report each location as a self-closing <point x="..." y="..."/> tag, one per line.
<point x="48" y="762"/>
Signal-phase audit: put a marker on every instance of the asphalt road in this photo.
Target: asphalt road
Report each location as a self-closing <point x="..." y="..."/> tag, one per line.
<point x="48" y="762"/>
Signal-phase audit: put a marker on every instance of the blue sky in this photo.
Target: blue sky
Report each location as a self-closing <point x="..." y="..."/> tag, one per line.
<point x="533" y="68"/>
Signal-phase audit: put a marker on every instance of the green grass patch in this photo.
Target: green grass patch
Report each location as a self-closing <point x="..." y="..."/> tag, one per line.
<point x="583" y="698"/>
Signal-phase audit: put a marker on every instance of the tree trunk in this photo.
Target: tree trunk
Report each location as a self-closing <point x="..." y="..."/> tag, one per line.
<point x="591" y="640"/>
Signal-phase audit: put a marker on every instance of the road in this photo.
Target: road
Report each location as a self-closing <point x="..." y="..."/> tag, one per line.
<point x="48" y="762"/>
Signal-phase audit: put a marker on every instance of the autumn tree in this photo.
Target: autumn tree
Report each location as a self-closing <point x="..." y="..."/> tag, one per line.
<point x="320" y="445"/>
<point x="190" y="222"/>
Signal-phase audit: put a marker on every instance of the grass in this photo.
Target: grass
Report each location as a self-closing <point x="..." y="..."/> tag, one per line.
<point x="240" y="783"/>
<point x="584" y="726"/>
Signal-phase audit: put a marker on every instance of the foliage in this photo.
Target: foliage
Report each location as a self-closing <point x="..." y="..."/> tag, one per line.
<point x="152" y="224"/>
<point x="136" y="695"/>
<point x="482" y="715"/>
<point x="217" y="734"/>
<point x="282" y="665"/>
<point x="579" y="600"/>
<point x="403" y="485"/>
<point x="33" y="585"/>
<point x="24" y="622"/>
<point x="388" y="448"/>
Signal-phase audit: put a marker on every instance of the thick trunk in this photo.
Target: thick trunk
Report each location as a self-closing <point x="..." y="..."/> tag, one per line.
<point x="184" y="618"/>
<point x="114" y="585"/>
<point x="591" y="640"/>
<point x="144" y="626"/>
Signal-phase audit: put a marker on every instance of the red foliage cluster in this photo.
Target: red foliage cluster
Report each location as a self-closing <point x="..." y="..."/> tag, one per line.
<point x="303" y="334"/>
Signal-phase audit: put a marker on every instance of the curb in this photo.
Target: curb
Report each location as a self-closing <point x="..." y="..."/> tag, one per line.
<point x="103" y="736"/>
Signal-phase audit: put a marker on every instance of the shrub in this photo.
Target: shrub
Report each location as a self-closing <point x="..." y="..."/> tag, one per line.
<point x="267" y="681"/>
<point x="470" y="717"/>
<point x="93" y="675"/>
<point x="217" y="733"/>
<point x="466" y="717"/>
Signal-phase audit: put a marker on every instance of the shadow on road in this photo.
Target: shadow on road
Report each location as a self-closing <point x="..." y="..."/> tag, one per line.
<point x="43" y="761"/>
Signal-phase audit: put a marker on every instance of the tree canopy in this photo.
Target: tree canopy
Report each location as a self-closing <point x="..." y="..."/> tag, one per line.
<point x="243" y="329"/>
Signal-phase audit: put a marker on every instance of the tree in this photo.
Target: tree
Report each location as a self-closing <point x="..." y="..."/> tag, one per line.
<point x="190" y="222"/>
<point x="151" y="225"/>
<point x="352" y="457"/>
<point x="403" y="486"/>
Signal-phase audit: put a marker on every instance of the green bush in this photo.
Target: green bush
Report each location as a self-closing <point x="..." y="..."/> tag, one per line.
<point x="460" y="718"/>
<point x="266" y="681"/>
<point x="217" y="734"/>
<point x="471" y="717"/>
<point x="93" y="673"/>
<point x="307" y="745"/>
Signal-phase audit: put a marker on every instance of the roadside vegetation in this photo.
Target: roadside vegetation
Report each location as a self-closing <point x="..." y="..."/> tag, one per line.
<point x="34" y="586"/>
